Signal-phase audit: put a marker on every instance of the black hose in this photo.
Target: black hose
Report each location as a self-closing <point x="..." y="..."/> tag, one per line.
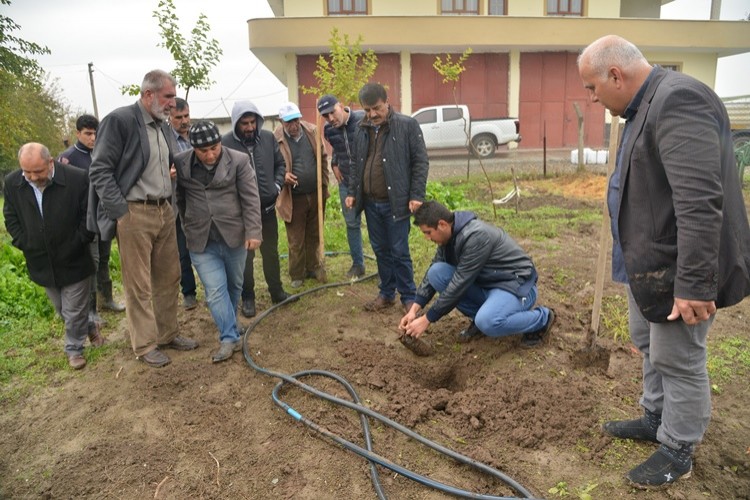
<point x="364" y="413"/>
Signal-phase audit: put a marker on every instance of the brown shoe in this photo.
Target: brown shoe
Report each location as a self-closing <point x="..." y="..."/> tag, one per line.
<point x="95" y="335"/>
<point x="379" y="303"/>
<point x="226" y="349"/>
<point x="76" y="361"/>
<point x="180" y="343"/>
<point x="155" y="359"/>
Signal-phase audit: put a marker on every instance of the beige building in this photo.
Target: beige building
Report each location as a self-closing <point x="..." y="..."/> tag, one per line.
<point x="524" y="52"/>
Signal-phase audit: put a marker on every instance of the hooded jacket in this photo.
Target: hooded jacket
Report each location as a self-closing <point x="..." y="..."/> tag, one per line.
<point x="264" y="153"/>
<point x="483" y="255"/>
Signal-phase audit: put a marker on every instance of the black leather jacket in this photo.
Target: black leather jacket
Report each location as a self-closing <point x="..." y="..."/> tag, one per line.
<point x="484" y="255"/>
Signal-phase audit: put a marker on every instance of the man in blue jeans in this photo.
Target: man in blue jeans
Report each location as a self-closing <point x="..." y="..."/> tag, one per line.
<point x="480" y="270"/>
<point x="217" y="196"/>
<point x="388" y="181"/>
<point x="340" y="130"/>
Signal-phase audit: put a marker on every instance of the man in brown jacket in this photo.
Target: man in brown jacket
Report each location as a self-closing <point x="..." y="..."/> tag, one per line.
<point x="298" y="202"/>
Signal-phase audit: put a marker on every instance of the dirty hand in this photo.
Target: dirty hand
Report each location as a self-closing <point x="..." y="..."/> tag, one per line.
<point x="692" y="311"/>
<point x="417" y="327"/>
<point x="252" y="244"/>
<point x="408" y="318"/>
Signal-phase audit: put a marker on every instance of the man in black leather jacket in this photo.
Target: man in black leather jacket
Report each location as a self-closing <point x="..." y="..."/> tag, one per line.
<point x="388" y="181"/>
<point x="480" y="270"/>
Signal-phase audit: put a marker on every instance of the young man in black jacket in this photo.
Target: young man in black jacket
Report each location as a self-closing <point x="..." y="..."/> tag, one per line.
<point x="480" y="270"/>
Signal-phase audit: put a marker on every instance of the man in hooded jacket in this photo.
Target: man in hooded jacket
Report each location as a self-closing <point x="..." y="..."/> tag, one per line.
<point x="248" y="136"/>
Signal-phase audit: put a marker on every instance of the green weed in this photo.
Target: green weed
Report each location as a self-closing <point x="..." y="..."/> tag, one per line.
<point x="727" y="359"/>
<point x="614" y="318"/>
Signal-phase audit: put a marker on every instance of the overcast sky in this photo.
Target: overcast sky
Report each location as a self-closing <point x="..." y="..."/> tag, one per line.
<point x="120" y="37"/>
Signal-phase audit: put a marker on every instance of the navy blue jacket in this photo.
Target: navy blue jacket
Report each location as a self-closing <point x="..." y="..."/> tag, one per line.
<point x="77" y="155"/>
<point x="341" y="140"/>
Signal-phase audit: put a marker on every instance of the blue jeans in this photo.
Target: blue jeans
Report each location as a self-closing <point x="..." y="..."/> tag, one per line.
<point x="220" y="269"/>
<point x="495" y="312"/>
<point x="390" y="243"/>
<point x="353" y="221"/>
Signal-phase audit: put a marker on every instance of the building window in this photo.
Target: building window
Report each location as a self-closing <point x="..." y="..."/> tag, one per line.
<point x="565" y="7"/>
<point x="671" y="66"/>
<point x="497" y="8"/>
<point x="460" y="7"/>
<point x="347" y="7"/>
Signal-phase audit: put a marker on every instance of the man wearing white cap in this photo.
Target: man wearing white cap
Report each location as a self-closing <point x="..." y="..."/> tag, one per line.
<point x="298" y="204"/>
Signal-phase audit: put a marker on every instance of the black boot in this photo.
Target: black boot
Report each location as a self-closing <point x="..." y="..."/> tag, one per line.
<point x="109" y="302"/>
<point x="643" y="428"/>
<point x="663" y="468"/>
<point x="93" y="314"/>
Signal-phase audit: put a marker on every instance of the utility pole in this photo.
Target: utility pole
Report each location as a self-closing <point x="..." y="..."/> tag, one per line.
<point x="93" y="92"/>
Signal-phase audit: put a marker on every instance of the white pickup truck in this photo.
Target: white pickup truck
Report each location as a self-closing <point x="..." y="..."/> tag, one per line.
<point x="448" y="126"/>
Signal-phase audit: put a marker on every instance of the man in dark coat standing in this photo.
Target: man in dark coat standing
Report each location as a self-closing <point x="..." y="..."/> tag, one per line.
<point x="45" y="214"/>
<point x="681" y="241"/>
<point x="249" y="137"/>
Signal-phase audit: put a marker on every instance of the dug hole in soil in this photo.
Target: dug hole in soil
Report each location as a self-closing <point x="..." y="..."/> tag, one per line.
<point x="193" y="429"/>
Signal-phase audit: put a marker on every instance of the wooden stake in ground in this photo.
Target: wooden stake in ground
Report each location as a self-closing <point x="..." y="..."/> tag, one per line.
<point x="605" y="235"/>
<point x="581" y="159"/>
<point x="319" y="158"/>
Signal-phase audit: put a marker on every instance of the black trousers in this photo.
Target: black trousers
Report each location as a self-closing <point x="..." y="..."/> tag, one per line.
<point x="269" y="250"/>
<point x="187" y="277"/>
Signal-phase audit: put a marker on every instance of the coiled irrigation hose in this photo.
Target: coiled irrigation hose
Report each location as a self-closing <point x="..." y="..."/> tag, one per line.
<point x="364" y="413"/>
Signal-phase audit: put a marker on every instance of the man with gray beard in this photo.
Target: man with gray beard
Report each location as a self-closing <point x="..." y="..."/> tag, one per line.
<point x="130" y="195"/>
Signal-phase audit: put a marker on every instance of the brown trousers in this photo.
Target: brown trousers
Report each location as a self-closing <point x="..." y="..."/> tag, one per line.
<point x="150" y="264"/>
<point x="303" y="236"/>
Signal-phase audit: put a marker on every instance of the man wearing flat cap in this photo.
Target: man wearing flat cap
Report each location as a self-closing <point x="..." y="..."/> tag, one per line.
<point x="340" y="129"/>
<point x="218" y="202"/>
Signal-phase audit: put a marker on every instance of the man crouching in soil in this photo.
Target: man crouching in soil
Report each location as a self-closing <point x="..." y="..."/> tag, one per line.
<point x="479" y="269"/>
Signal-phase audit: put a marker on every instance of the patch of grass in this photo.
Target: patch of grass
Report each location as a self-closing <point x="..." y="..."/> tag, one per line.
<point x="614" y="318"/>
<point x="727" y="359"/>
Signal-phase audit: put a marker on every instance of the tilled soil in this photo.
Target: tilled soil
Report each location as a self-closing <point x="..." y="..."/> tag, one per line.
<point x="194" y="429"/>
